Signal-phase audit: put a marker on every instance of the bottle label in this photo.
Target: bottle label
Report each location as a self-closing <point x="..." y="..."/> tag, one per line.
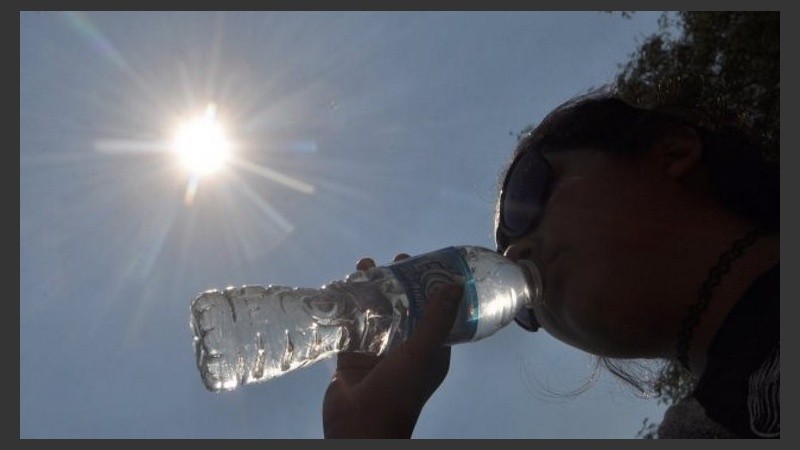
<point x="420" y="275"/>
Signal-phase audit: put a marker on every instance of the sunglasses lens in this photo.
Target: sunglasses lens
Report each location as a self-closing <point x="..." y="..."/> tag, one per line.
<point x="524" y="193"/>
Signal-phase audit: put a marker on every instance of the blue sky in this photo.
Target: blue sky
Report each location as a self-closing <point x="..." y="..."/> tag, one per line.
<point x="401" y="122"/>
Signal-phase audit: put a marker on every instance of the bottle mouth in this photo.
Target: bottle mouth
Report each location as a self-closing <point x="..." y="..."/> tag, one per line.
<point x="535" y="284"/>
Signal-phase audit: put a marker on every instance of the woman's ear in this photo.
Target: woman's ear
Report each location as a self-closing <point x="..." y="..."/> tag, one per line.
<point x="678" y="151"/>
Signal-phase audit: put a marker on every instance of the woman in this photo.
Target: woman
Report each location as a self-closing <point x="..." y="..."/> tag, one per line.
<point x="657" y="237"/>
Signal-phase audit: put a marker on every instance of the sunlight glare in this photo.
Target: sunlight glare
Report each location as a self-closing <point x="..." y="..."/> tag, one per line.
<point x="201" y="144"/>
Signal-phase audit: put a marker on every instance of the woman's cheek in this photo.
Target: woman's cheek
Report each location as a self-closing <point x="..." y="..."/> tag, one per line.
<point x="582" y="306"/>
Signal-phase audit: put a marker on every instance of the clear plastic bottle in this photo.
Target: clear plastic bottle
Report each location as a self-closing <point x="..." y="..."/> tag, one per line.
<point x="255" y="333"/>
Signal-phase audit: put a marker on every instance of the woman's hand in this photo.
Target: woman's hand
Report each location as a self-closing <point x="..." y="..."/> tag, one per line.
<point x="382" y="397"/>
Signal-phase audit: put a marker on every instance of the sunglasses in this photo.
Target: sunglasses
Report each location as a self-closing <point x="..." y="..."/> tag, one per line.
<point x="525" y="191"/>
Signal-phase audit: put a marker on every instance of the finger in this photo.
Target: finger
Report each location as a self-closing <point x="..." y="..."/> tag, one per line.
<point x="405" y="371"/>
<point x="365" y="263"/>
<point x="401" y="256"/>
<point x="431" y="334"/>
<point x="352" y="360"/>
<point x="352" y="367"/>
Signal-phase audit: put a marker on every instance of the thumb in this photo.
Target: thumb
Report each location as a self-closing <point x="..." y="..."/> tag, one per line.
<point x="437" y="321"/>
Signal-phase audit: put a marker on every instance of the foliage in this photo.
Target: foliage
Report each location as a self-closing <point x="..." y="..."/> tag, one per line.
<point x="723" y="67"/>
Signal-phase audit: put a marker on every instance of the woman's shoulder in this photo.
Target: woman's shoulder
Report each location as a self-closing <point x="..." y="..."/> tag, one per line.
<point x="687" y="419"/>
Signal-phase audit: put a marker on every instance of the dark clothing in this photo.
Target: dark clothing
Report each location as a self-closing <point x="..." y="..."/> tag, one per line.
<point x="739" y="392"/>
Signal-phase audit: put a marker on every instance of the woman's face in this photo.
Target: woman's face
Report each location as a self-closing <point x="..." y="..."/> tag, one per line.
<point x="599" y="246"/>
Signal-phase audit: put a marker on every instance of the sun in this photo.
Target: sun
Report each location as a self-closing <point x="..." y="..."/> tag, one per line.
<point x="201" y="144"/>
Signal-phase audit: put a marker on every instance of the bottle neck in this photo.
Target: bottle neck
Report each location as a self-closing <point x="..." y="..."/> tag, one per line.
<point x="535" y="290"/>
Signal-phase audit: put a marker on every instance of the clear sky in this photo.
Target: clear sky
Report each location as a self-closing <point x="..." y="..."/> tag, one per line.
<point x="358" y="134"/>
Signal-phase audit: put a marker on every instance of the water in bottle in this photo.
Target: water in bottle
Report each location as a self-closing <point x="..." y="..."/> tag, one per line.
<point x="255" y="333"/>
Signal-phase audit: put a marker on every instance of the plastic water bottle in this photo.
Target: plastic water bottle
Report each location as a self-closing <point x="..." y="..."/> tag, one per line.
<point x="255" y="333"/>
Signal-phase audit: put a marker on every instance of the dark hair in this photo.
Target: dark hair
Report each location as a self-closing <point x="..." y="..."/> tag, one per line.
<point x="745" y="182"/>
